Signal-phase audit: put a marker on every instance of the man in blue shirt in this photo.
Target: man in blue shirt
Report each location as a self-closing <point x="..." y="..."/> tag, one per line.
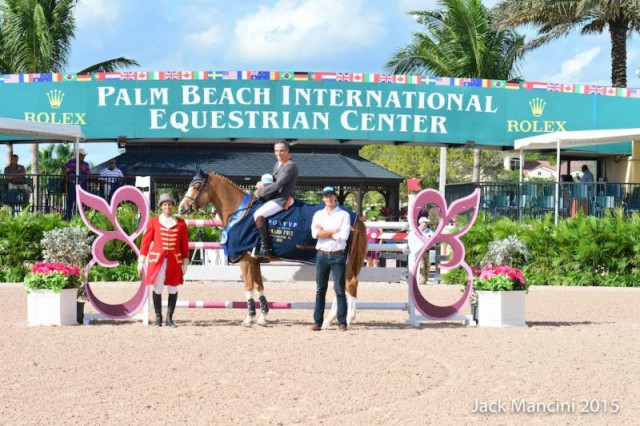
<point x="331" y="227"/>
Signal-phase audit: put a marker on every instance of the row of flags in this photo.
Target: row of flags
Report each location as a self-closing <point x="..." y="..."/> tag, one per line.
<point x="319" y="76"/>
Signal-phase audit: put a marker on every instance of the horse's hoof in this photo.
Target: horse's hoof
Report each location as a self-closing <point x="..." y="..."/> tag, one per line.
<point x="262" y="321"/>
<point x="247" y="322"/>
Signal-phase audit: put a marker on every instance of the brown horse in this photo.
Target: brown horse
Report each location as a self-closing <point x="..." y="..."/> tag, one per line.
<point x="227" y="198"/>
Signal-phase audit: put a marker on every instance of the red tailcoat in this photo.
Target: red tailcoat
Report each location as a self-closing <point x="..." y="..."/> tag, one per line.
<point x="159" y="243"/>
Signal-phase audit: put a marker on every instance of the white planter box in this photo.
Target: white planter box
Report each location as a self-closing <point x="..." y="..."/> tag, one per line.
<point x="501" y="308"/>
<point x="48" y="308"/>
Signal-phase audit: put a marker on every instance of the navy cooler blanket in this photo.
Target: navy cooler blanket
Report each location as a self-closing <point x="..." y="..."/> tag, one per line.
<point x="290" y="232"/>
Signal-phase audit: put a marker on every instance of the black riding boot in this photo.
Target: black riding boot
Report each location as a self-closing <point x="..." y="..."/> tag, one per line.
<point x="263" y="235"/>
<point x="171" y="306"/>
<point x="264" y="305"/>
<point x="157" y="306"/>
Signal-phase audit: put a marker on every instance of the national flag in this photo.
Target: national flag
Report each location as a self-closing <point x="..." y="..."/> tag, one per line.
<point x="155" y="75"/>
<point x="578" y="88"/>
<point x="567" y="88"/>
<point x="385" y="78"/>
<point x="301" y="76"/>
<point x="84" y="77"/>
<point x="107" y="76"/>
<point x="623" y="91"/>
<point x="324" y="76"/>
<point x="343" y="76"/>
<point x="611" y="91"/>
<point x="634" y="93"/>
<point x="11" y="78"/>
<point x="232" y="75"/>
<point x="216" y="75"/>
<point x="512" y="85"/>
<point x="201" y="75"/>
<point x="554" y="87"/>
<point x="472" y="82"/>
<point x="370" y="77"/>
<point x="41" y="78"/>
<point x="486" y="83"/>
<point x="414" y="79"/>
<point x="401" y="79"/>
<point x="443" y="81"/>
<point x="186" y="75"/>
<point x="261" y="75"/>
<point x="498" y="84"/>
<point x="129" y="75"/>
<point x="68" y="77"/>
<point x="286" y="75"/>
<point x="170" y="75"/>
<point x="594" y="90"/>
<point x="26" y="78"/>
<point x="535" y="85"/>
<point x="245" y="75"/>
<point x="357" y="77"/>
<point x="428" y="80"/>
<point x="56" y="76"/>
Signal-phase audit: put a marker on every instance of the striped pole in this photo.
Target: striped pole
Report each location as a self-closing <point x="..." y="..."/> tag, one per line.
<point x="229" y="304"/>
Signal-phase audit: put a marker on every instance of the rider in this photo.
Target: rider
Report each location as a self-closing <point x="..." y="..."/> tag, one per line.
<point x="277" y="196"/>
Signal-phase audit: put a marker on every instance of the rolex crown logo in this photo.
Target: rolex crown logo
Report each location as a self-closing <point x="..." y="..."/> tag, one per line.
<point x="55" y="98"/>
<point x="537" y="106"/>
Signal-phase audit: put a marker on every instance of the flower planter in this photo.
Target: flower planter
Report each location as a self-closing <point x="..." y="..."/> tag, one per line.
<point x="501" y="308"/>
<point x="48" y="308"/>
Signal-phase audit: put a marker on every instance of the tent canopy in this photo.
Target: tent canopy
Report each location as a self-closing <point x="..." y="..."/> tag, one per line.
<point x="576" y="138"/>
<point x="39" y="131"/>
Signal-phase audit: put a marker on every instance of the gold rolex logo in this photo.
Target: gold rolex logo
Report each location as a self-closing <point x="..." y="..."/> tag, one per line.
<point x="55" y="98"/>
<point x="537" y="106"/>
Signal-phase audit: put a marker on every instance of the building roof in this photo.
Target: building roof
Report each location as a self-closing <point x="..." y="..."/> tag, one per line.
<point x="314" y="167"/>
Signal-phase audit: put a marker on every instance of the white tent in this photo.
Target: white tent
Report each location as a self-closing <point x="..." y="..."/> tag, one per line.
<point x="39" y="131"/>
<point x="571" y="139"/>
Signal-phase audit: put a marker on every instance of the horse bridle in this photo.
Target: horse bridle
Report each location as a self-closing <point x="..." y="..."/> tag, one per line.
<point x="194" y="200"/>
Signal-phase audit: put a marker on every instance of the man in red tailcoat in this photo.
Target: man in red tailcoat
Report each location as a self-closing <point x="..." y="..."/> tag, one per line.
<point x="165" y="248"/>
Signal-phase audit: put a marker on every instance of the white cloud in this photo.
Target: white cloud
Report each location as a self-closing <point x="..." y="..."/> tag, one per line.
<point x="571" y="69"/>
<point x="303" y="29"/>
<point x="91" y="12"/>
<point x="407" y="5"/>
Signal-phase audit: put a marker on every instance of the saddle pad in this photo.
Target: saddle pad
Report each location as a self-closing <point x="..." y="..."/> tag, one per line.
<point x="290" y="232"/>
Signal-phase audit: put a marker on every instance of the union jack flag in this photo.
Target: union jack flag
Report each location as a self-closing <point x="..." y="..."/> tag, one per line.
<point x="343" y="76"/>
<point x="129" y="75"/>
<point x="554" y="87"/>
<point x="385" y="78"/>
<point x="170" y="75"/>
<point x="595" y="90"/>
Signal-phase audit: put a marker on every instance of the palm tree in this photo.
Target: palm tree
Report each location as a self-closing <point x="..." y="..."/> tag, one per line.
<point x="557" y="18"/>
<point x="35" y="37"/>
<point x="460" y="42"/>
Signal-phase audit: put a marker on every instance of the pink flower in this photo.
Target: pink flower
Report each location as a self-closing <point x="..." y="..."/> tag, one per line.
<point x="48" y="268"/>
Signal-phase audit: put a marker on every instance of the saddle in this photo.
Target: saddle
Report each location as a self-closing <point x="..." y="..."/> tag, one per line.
<point x="289" y="230"/>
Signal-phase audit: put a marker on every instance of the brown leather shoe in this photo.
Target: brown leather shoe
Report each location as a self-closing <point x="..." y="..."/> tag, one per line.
<point x="316" y="327"/>
<point x="342" y="327"/>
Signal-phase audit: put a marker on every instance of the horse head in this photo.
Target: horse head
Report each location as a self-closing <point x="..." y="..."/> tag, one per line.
<point x="195" y="197"/>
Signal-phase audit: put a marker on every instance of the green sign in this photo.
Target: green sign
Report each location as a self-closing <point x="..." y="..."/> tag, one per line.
<point x="231" y="109"/>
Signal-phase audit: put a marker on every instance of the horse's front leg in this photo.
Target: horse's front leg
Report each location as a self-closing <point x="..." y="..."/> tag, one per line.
<point x="252" y="278"/>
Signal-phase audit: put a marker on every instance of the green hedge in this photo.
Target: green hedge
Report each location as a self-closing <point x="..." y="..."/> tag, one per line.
<point x="20" y="238"/>
<point x="582" y="251"/>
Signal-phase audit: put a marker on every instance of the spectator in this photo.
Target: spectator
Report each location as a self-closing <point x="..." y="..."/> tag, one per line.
<point x="110" y="178"/>
<point x="69" y="171"/>
<point x="14" y="173"/>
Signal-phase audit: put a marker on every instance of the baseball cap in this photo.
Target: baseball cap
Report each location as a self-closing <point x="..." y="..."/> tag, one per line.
<point x="328" y="190"/>
<point x="423" y="220"/>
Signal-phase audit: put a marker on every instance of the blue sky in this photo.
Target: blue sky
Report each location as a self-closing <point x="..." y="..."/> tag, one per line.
<point x="299" y="35"/>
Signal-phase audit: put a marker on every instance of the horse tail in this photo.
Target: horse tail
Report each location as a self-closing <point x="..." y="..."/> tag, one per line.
<point x="356" y="256"/>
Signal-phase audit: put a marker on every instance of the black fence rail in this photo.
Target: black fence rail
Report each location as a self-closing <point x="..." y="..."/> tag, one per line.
<point x="518" y="200"/>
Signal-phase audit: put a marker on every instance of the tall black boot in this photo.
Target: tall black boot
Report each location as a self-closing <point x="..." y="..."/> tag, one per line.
<point x="171" y="306"/>
<point x="263" y="234"/>
<point x="157" y="306"/>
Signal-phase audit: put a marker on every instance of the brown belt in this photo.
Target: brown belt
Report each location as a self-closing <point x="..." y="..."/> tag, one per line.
<point x="332" y="253"/>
